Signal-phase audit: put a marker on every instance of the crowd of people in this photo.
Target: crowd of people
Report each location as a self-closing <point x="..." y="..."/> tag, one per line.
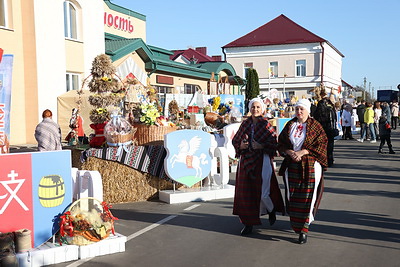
<point x="376" y="122"/>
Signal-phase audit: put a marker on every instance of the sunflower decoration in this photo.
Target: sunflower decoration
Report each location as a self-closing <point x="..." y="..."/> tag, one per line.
<point x="99" y="115"/>
<point x="106" y="88"/>
<point x="149" y="113"/>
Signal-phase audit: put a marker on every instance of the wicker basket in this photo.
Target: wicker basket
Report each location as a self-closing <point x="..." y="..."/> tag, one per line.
<point x="147" y="134"/>
<point x="90" y="236"/>
<point x="119" y="138"/>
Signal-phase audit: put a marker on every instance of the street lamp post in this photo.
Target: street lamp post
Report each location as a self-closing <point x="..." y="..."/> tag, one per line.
<point x="284" y="85"/>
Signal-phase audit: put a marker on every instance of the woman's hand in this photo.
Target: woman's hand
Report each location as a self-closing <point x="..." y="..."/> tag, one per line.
<point x="296" y="155"/>
<point x="244" y="144"/>
<point x="257" y="145"/>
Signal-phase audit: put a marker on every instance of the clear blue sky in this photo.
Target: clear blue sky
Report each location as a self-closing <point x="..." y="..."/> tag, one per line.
<point x="366" y="32"/>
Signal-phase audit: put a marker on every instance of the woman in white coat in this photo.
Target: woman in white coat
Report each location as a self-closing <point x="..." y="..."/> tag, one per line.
<point x="346" y="122"/>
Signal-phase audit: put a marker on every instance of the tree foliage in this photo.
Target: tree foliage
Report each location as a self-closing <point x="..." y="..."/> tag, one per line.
<point x="252" y="86"/>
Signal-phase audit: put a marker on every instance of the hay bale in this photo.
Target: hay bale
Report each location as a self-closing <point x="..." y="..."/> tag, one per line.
<point x="123" y="184"/>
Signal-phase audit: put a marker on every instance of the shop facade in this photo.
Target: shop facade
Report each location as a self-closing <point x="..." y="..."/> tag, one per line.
<point x="55" y="42"/>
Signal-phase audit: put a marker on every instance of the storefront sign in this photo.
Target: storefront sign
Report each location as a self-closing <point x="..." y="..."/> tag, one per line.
<point x="188" y="158"/>
<point x="164" y="79"/>
<point x="35" y="188"/>
<point x="118" y="22"/>
<point x="5" y="102"/>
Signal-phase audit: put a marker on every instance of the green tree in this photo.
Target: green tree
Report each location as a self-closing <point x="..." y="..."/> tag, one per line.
<point x="252" y="86"/>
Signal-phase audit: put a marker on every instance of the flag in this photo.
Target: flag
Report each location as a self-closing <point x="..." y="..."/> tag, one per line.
<point x="5" y="102"/>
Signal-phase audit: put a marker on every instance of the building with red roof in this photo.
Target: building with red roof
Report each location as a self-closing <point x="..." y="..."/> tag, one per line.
<point x="193" y="56"/>
<point x="287" y="57"/>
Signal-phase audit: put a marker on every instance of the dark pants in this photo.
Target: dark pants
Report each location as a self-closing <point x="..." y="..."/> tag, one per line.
<point x="347" y="132"/>
<point x="387" y="139"/>
<point x="394" y="122"/>
<point x="330" y="146"/>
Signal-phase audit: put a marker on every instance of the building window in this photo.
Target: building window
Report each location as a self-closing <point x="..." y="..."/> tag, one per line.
<point x="191" y="88"/>
<point x="273" y="69"/>
<point x="246" y="67"/>
<point x="72" y="81"/>
<point x="70" y="20"/>
<point x="3" y="13"/>
<point x="164" y="89"/>
<point x="301" y="68"/>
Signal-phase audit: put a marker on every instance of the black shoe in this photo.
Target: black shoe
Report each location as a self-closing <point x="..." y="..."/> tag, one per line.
<point x="272" y="217"/>
<point x="247" y="229"/>
<point x="392" y="152"/>
<point x="380" y="151"/>
<point x="302" y="238"/>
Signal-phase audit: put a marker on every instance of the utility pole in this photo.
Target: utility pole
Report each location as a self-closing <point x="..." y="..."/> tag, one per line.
<point x="369" y="89"/>
<point x="365" y="88"/>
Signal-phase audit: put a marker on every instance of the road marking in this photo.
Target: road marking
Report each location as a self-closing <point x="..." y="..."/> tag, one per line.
<point x="148" y="228"/>
<point x="193" y="207"/>
<point x="138" y="233"/>
<point x="79" y="262"/>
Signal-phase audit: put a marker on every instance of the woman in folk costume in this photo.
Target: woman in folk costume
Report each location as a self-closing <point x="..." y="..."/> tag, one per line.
<point x="257" y="190"/>
<point x="303" y="143"/>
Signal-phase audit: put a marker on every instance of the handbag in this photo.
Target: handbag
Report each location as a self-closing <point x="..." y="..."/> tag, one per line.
<point x="335" y="132"/>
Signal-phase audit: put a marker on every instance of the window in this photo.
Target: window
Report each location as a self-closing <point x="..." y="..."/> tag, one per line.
<point x="273" y="69"/>
<point x="72" y="80"/>
<point x="191" y="88"/>
<point x="70" y="20"/>
<point x="301" y="68"/>
<point x="246" y="67"/>
<point x="3" y="13"/>
<point x="164" y="89"/>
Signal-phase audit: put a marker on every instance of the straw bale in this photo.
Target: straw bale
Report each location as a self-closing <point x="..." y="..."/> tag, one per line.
<point x="124" y="184"/>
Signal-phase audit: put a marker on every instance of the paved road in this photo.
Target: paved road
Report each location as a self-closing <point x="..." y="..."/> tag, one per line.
<point x="358" y="224"/>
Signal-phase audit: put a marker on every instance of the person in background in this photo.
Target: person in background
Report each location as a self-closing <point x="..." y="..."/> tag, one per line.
<point x="378" y="113"/>
<point x="48" y="133"/>
<point x="256" y="190"/>
<point x="386" y="111"/>
<point x="325" y="114"/>
<point x="385" y="132"/>
<point x="369" y="123"/>
<point x="346" y="122"/>
<point x="303" y="144"/>
<point x="360" y="113"/>
<point x="395" y="114"/>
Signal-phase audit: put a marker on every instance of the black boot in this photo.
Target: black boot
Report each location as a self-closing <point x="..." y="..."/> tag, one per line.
<point x="247" y="229"/>
<point x="391" y="151"/>
<point x="380" y="151"/>
<point x="272" y="217"/>
<point x="302" y="238"/>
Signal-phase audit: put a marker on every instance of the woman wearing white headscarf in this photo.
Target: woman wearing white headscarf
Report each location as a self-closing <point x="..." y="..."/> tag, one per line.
<point x="256" y="189"/>
<point x="303" y="143"/>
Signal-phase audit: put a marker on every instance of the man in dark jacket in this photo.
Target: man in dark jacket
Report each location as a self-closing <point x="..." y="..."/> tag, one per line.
<point x="325" y="114"/>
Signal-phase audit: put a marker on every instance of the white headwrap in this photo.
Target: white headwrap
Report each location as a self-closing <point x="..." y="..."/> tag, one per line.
<point x="259" y="100"/>
<point x="305" y="103"/>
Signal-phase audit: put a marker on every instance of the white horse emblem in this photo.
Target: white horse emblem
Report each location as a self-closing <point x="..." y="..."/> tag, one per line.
<point x="186" y="155"/>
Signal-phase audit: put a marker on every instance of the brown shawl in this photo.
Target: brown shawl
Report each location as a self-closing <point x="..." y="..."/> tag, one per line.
<point x="315" y="142"/>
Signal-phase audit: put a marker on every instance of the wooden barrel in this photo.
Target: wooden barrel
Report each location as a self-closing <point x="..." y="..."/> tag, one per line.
<point x="51" y="191"/>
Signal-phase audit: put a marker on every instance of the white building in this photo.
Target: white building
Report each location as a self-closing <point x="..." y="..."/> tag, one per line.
<point x="287" y="57"/>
